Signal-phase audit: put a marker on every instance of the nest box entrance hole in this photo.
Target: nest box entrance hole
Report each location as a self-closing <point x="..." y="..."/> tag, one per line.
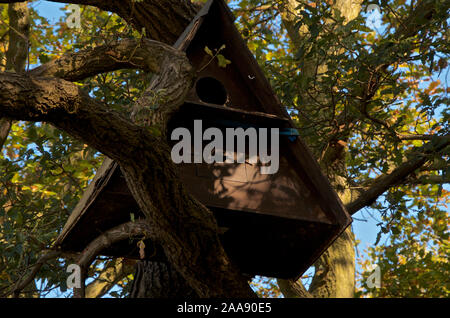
<point x="210" y="90"/>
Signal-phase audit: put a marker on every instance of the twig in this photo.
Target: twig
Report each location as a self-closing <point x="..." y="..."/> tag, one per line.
<point x="21" y="284"/>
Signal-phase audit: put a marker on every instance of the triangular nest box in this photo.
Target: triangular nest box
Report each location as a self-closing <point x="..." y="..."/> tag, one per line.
<point x="274" y="225"/>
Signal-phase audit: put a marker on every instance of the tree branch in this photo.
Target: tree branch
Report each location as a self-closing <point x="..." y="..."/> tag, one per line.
<point x="163" y="20"/>
<point x="19" y="33"/>
<point x="183" y="225"/>
<point x="5" y="126"/>
<point x="107" y="239"/>
<point x="16" y="56"/>
<point x="114" y="235"/>
<point x="144" y="54"/>
<point x="398" y="175"/>
<point x="21" y="284"/>
<point x="67" y="107"/>
<point x="114" y="271"/>
<point x="293" y="289"/>
<point x="422" y="137"/>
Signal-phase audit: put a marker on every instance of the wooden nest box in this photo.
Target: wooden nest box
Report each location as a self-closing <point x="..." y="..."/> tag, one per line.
<point x="275" y="225"/>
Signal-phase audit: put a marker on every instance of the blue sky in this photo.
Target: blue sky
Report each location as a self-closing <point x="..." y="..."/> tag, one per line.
<point x="50" y="10"/>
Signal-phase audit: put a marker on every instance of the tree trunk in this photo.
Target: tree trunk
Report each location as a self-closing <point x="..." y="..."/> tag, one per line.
<point x="159" y="280"/>
<point x="16" y="56"/>
<point x="335" y="269"/>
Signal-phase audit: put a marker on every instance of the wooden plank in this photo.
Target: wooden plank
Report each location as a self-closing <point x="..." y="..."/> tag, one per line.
<point x="272" y="105"/>
<point x="96" y="186"/>
<point x="189" y="33"/>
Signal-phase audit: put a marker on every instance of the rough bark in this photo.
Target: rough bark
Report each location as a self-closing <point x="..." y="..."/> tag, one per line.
<point x="144" y="54"/>
<point x="16" y="55"/>
<point x="184" y="227"/>
<point x="163" y="20"/>
<point x="335" y="269"/>
<point x="159" y="280"/>
<point x="19" y="33"/>
<point x="119" y="233"/>
<point x="5" y="126"/>
<point x="138" y="15"/>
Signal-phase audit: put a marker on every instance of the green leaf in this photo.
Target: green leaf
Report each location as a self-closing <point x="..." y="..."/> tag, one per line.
<point x="395" y="230"/>
<point x="222" y="61"/>
<point x="208" y="51"/>
<point x="44" y="58"/>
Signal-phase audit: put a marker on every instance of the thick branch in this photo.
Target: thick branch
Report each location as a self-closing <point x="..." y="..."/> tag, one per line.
<point x="143" y="54"/>
<point x="163" y="20"/>
<point x="19" y="33"/>
<point x="293" y="289"/>
<point x="114" y="235"/>
<point x="67" y="107"/>
<point x="107" y="239"/>
<point x="114" y="272"/>
<point x="158" y="279"/>
<point x="383" y="183"/>
<point x="397" y="176"/>
<point x="16" y="56"/>
<point x="186" y="229"/>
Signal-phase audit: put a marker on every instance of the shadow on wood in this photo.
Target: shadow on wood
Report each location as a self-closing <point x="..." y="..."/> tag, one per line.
<point x="273" y="225"/>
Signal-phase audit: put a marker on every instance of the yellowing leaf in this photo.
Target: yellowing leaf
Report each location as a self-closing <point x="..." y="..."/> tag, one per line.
<point x="222" y="61"/>
<point x="208" y="51"/>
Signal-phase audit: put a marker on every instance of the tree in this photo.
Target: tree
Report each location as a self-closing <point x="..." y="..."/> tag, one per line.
<point x="354" y="95"/>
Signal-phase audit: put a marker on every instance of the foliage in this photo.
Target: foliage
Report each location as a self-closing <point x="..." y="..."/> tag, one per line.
<point x="266" y="287"/>
<point x="321" y="79"/>
<point x="43" y="170"/>
<point x="414" y="260"/>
